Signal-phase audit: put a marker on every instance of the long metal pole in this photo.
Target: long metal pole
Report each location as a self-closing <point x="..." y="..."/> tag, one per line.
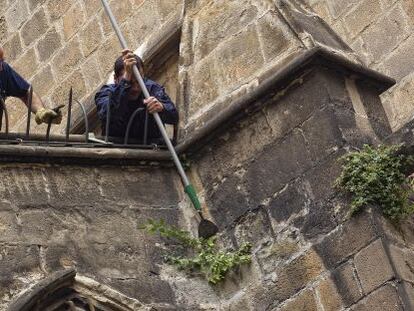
<point x="144" y="89"/>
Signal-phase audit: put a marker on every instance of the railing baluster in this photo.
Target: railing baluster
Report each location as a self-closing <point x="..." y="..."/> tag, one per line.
<point x="131" y="119"/>
<point x="69" y="114"/>
<point x="85" y="118"/>
<point x="29" y="111"/>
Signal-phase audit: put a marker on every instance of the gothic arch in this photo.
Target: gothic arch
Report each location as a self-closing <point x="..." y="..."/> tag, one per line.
<point x="66" y="291"/>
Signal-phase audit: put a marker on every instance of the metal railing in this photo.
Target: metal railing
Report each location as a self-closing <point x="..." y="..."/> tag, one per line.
<point x="87" y="140"/>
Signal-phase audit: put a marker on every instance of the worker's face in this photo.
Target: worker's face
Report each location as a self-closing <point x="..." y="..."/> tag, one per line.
<point x="135" y="88"/>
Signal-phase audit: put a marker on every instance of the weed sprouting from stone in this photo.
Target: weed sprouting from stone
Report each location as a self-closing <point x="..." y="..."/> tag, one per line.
<point x="374" y="176"/>
<point x="205" y="257"/>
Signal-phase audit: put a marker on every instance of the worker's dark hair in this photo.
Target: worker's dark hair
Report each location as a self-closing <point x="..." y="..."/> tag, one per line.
<point x="119" y="65"/>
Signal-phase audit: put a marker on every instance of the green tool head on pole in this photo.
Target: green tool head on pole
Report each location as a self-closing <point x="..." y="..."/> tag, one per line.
<point x="206" y="228"/>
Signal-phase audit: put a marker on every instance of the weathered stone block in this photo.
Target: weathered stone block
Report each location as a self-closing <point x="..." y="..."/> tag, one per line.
<point x="400" y="61"/>
<point x="203" y="85"/>
<point x="34" y="4"/>
<point x="325" y="138"/>
<point x="254" y="227"/>
<point x="138" y="27"/>
<point x="73" y="20"/>
<point x="409" y="289"/>
<point x="23" y="185"/>
<point x="338" y="7"/>
<point x="399" y="114"/>
<point x="67" y="59"/>
<point x="277" y="164"/>
<point x="92" y="6"/>
<point x="274" y="36"/>
<point x="27" y="64"/>
<point x="239" y="59"/>
<point x="72" y="185"/>
<point x="361" y="16"/>
<point x="57" y="8"/>
<point x="403" y="261"/>
<point x="295" y="275"/>
<point x="374" y="109"/>
<point x="13" y="47"/>
<point x="149" y="288"/>
<point x="321" y="178"/>
<point x="48" y="45"/>
<point x="295" y="107"/>
<point x="385" y="298"/>
<point x="16" y="259"/>
<point x="16" y="15"/>
<point x="341" y="289"/>
<point x="91" y="72"/>
<point x="289" y="201"/>
<point x="34" y="28"/>
<point x="91" y="37"/>
<point x="304" y="301"/>
<point x="253" y="134"/>
<point x="380" y="43"/>
<point x="134" y="186"/>
<point x="107" y="54"/>
<point x="228" y="202"/>
<point x="356" y="129"/>
<point x="61" y="94"/>
<point x="231" y="15"/>
<point x="43" y="81"/>
<point x="321" y="219"/>
<point x="166" y="8"/>
<point x="345" y="241"/>
<point x="408" y="6"/>
<point x="329" y="295"/>
<point x="9" y="230"/>
<point x="373" y="273"/>
<point x="3" y="27"/>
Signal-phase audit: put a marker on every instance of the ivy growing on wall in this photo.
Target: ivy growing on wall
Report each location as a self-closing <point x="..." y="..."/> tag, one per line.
<point x="204" y="257"/>
<point x="374" y="176"/>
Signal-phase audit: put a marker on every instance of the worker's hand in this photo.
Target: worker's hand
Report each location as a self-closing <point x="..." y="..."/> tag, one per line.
<point x="44" y="115"/>
<point x="129" y="62"/>
<point x="153" y="105"/>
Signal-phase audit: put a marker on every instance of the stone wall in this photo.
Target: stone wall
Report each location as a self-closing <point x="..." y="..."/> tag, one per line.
<point x="270" y="182"/>
<point x="59" y="44"/>
<point x="265" y="175"/>
<point x="54" y="217"/>
<point x="381" y="32"/>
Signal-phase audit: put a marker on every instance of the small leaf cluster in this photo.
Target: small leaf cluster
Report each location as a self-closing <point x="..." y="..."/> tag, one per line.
<point x="375" y="176"/>
<point x="205" y="257"/>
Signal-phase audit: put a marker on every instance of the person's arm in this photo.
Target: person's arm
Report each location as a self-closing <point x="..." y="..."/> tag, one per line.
<point x="37" y="103"/>
<point x="160" y="102"/>
<point x="18" y="87"/>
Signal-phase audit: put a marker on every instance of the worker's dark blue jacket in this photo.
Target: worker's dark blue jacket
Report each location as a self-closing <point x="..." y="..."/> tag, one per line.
<point x="122" y="108"/>
<point x="11" y="83"/>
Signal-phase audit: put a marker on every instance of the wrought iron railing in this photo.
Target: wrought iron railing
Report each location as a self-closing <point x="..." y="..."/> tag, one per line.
<point x="86" y="140"/>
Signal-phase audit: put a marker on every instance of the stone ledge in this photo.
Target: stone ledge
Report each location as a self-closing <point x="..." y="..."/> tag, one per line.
<point x="74" y="155"/>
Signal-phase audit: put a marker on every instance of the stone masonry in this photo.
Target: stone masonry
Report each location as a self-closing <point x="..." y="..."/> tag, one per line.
<point x="381" y="32"/>
<point x="270" y="97"/>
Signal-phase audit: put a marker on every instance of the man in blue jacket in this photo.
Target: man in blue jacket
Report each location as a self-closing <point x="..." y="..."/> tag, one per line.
<point x="12" y="84"/>
<point x="125" y="96"/>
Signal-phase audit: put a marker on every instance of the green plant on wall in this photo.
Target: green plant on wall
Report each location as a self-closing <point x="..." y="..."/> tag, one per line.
<point x="375" y="176"/>
<point x="205" y="257"/>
